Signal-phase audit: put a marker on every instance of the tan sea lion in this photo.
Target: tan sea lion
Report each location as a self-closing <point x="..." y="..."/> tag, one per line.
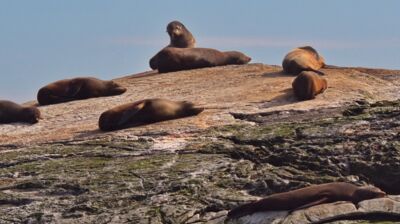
<point x="180" y="37"/>
<point x="11" y="112"/>
<point x="76" y="89"/>
<point x="176" y="59"/>
<point x="308" y="84"/>
<point x="145" y="112"/>
<point x="307" y="197"/>
<point x="303" y="59"/>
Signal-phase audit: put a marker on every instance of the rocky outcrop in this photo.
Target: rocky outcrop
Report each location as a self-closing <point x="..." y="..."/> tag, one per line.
<point x="254" y="139"/>
<point x="339" y="212"/>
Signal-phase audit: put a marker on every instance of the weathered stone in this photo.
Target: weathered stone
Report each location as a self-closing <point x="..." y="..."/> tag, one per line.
<point x="385" y="205"/>
<point x="320" y="213"/>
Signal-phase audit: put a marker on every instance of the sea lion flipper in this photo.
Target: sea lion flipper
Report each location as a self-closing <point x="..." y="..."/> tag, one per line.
<point x="73" y="89"/>
<point x="317" y="71"/>
<point x="127" y="115"/>
<point x="316" y="202"/>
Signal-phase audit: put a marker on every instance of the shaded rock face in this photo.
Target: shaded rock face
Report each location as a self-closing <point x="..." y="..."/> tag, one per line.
<point x="254" y="140"/>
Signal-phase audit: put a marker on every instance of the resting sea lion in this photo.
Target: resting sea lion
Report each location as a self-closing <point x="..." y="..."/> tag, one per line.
<point x="303" y="59"/>
<point x="180" y="37"/>
<point x="308" y="84"/>
<point x="77" y="88"/>
<point x="145" y="112"/>
<point x="307" y="197"/>
<point x="11" y="112"/>
<point x="176" y="59"/>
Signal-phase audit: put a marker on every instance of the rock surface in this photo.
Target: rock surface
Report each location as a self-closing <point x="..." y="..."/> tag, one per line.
<point x="253" y="140"/>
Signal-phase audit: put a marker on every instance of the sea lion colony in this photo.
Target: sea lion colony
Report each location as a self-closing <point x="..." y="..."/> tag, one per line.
<point x="181" y="54"/>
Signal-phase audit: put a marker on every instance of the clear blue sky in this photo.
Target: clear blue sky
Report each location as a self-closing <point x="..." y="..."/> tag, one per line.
<point x="46" y="40"/>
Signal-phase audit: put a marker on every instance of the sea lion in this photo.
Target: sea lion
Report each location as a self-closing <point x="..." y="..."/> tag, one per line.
<point x="11" y="112"/>
<point x="145" y="112"/>
<point x="303" y="59"/>
<point x="176" y="59"/>
<point x="76" y="89"/>
<point x="307" y="197"/>
<point x="308" y="84"/>
<point x="180" y="37"/>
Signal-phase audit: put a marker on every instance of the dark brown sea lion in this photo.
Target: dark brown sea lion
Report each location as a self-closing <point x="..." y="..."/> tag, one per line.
<point x="76" y="89"/>
<point x="176" y="59"/>
<point x="145" y="112"/>
<point x="11" y="112"/>
<point x="308" y="84"/>
<point x="180" y="37"/>
<point x="307" y="197"/>
<point x="303" y="59"/>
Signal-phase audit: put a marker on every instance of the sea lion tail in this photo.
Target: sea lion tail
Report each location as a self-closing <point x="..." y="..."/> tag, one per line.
<point x="242" y="210"/>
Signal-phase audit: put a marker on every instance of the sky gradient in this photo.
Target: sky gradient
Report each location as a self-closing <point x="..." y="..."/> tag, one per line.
<point x="44" y="41"/>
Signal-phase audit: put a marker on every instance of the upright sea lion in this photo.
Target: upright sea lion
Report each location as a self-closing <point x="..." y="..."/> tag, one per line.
<point x="307" y="197"/>
<point x="145" y="112"/>
<point x="308" y="84"/>
<point x="180" y="37"/>
<point x="176" y="59"/>
<point x="303" y="59"/>
<point x="77" y="88"/>
<point x="11" y="112"/>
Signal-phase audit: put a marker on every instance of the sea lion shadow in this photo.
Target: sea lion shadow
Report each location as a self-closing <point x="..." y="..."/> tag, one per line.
<point x="276" y="74"/>
<point x="90" y="133"/>
<point x="143" y="74"/>
<point x="287" y="97"/>
<point x="95" y="132"/>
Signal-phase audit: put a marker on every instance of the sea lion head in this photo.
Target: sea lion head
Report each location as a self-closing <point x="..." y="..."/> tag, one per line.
<point x="31" y="115"/>
<point x="175" y="29"/>
<point x="43" y="96"/>
<point x="237" y="58"/>
<point x="189" y="109"/>
<point x="108" y="121"/>
<point x="312" y="50"/>
<point x="369" y="192"/>
<point x="114" y="88"/>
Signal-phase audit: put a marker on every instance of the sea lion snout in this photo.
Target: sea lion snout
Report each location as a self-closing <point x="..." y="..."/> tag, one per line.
<point x="32" y="115"/>
<point x="366" y="193"/>
<point x="379" y="193"/>
<point x="238" y="58"/>
<point x="116" y="88"/>
<point x="195" y="110"/>
<point x="190" y="109"/>
<point x="175" y="28"/>
<point x="176" y="32"/>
